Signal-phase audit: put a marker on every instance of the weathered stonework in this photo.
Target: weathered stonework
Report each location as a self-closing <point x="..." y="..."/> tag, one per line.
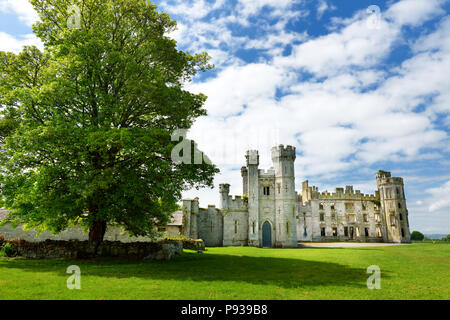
<point x="163" y="250"/>
<point x="271" y="213"/>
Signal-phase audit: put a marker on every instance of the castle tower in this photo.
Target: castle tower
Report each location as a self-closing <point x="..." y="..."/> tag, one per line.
<point x="393" y="208"/>
<point x="190" y="213"/>
<point x="252" y="158"/>
<point x="285" y="197"/>
<point x="244" y="174"/>
<point x="224" y="190"/>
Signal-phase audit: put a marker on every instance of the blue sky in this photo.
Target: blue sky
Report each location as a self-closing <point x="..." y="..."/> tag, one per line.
<point x="355" y="86"/>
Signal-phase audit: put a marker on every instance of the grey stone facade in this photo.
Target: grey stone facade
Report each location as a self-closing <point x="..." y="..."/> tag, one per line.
<point x="271" y="213"/>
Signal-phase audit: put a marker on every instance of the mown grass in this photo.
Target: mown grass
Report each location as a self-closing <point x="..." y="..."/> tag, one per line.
<point x="417" y="271"/>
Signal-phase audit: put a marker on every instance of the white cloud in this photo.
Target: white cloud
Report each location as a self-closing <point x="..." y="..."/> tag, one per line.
<point x="334" y="118"/>
<point x="13" y="44"/>
<point x="440" y="198"/>
<point x="237" y="87"/>
<point x="193" y="10"/>
<point x="354" y="45"/>
<point x="414" y="12"/>
<point x="22" y="8"/>
<point x="253" y="7"/>
<point x="322" y="7"/>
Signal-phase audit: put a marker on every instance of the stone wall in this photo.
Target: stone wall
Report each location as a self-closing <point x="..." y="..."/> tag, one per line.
<point x="210" y="226"/>
<point x="163" y="250"/>
<point x="235" y="229"/>
<point x="194" y="244"/>
<point x="72" y="233"/>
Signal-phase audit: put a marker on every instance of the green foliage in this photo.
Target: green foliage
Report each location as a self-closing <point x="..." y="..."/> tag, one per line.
<point x="7" y="250"/>
<point x="417" y="236"/>
<point x="86" y="124"/>
<point x="179" y="237"/>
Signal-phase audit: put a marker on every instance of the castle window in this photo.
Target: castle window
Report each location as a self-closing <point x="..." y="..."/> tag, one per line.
<point x="332" y="207"/>
<point x="322" y="232"/>
<point x="399" y="205"/>
<point x="349" y="206"/>
<point x="366" y="232"/>
<point x="365" y="217"/>
<point x="401" y="216"/>
<point x="279" y="188"/>
<point x="392" y="220"/>
<point x="287" y="227"/>
<point x="322" y="217"/>
<point x="364" y="207"/>
<point x="357" y="232"/>
<point x="266" y="191"/>
<point x="335" y="232"/>
<point x="321" y="206"/>
<point x="377" y="217"/>
<point x="253" y="227"/>
<point x="333" y="216"/>
<point x="346" y="231"/>
<point x="403" y="233"/>
<point x="378" y="232"/>
<point x="235" y="226"/>
<point x="398" y="191"/>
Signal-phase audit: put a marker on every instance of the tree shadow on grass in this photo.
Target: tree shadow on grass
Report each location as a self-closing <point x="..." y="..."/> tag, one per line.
<point x="282" y="272"/>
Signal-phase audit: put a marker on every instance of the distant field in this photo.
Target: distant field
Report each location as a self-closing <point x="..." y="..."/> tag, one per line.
<point x="418" y="271"/>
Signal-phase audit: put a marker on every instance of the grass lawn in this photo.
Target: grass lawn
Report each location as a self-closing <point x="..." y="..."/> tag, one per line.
<point x="418" y="271"/>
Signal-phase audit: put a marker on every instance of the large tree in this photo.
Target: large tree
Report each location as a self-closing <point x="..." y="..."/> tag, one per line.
<point x="86" y="124"/>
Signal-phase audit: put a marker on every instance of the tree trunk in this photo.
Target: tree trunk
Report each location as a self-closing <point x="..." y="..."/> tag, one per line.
<point x="97" y="232"/>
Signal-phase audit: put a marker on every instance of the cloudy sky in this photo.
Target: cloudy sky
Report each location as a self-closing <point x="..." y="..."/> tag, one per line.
<point x="355" y="86"/>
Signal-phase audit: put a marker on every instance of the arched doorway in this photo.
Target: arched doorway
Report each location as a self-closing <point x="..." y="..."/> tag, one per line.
<point x="266" y="235"/>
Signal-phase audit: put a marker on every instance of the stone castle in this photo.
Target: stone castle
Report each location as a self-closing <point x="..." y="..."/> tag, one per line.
<point x="271" y="213"/>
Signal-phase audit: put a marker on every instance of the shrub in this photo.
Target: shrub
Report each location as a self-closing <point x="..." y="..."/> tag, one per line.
<point x="417" y="236"/>
<point x="7" y="250"/>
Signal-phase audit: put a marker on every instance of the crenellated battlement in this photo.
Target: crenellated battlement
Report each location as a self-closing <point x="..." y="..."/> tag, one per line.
<point x="357" y="195"/>
<point x="267" y="172"/>
<point x="282" y="152"/>
<point x="237" y="203"/>
<point x="313" y="193"/>
<point x="252" y="157"/>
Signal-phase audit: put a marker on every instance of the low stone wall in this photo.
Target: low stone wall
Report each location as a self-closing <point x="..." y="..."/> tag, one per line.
<point x="163" y="250"/>
<point x="71" y="233"/>
<point x="194" y="244"/>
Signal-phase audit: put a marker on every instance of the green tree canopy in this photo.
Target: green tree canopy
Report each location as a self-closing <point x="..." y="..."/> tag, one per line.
<point x="417" y="236"/>
<point x="86" y="124"/>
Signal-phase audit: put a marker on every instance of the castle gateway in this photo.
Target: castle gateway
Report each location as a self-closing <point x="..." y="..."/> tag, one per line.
<point x="271" y="213"/>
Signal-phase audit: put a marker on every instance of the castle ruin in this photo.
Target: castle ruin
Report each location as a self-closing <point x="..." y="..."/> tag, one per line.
<point x="270" y="213"/>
